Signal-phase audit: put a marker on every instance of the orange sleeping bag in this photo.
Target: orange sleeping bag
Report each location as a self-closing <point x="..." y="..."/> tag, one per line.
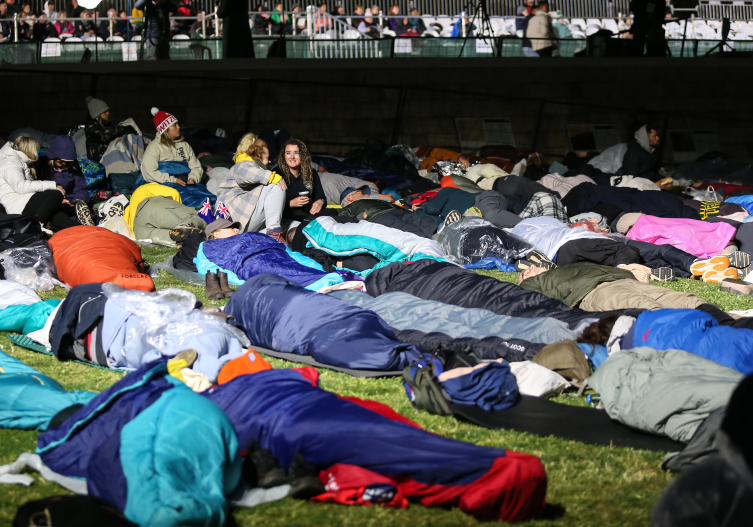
<point x="85" y="255"/>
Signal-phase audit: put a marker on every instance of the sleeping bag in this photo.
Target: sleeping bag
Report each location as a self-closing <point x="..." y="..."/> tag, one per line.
<point x="279" y="314"/>
<point x="450" y="284"/>
<point x="153" y="448"/>
<point x="87" y="254"/>
<point x="250" y="254"/>
<point x="696" y="332"/>
<point x="285" y="413"/>
<point x="191" y="195"/>
<point x="699" y="238"/>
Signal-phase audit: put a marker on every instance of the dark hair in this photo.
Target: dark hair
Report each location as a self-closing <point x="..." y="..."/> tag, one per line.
<point x="598" y="332"/>
<point x="306" y="168"/>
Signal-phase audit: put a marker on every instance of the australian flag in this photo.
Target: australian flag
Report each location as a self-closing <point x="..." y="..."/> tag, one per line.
<point x="205" y="212"/>
<point x="220" y="211"/>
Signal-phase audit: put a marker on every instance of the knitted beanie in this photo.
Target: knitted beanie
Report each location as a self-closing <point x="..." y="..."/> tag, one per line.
<point x="163" y="120"/>
<point x="96" y="107"/>
<point x="627" y="221"/>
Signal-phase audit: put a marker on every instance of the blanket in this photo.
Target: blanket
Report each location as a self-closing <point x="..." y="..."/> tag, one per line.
<point x="124" y="154"/>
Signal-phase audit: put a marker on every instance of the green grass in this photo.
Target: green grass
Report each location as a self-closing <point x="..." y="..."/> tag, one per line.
<point x="594" y="485"/>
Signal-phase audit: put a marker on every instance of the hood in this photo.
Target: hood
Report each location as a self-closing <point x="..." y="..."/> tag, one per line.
<point x="62" y="147"/>
<point x="8" y="151"/>
<point x="642" y="137"/>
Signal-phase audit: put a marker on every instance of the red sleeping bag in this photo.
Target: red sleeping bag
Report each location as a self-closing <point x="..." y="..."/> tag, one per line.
<point x="85" y="255"/>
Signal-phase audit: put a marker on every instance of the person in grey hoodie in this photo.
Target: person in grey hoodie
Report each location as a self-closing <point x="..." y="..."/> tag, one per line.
<point x="641" y="158"/>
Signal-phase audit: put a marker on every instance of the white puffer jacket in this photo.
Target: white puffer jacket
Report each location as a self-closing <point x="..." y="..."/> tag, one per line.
<point x="17" y="185"/>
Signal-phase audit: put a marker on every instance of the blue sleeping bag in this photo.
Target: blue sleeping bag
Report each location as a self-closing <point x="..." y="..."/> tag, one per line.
<point x="153" y="448"/>
<point x="745" y="202"/>
<point x="279" y="314"/>
<point x="696" y="332"/>
<point x="190" y="195"/>
<point x="252" y="253"/>
<point x="29" y="399"/>
<point x="379" y="178"/>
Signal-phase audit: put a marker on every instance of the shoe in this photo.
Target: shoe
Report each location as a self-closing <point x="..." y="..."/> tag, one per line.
<point x="213" y="290"/>
<point x="83" y="214"/>
<point x="188" y="355"/>
<point x="534" y="259"/>
<point x="224" y="286"/>
<point x="715" y="263"/>
<point x="743" y="273"/>
<point x="718" y="276"/>
<point x="736" y="287"/>
<point x="303" y="478"/>
<point x="663" y="274"/>
<point x="261" y="468"/>
<point x="738" y="259"/>
<point x="451" y="218"/>
<point x="473" y="212"/>
<point x="183" y="231"/>
<point x="276" y="234"/>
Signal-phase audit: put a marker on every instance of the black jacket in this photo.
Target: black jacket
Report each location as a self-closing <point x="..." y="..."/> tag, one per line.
<point x="295" y="186"/>
<point x="82" y="309"/>
<point x="99" y="137"/>
<point x="640" y="163"/>
<point x="487" y="348"/>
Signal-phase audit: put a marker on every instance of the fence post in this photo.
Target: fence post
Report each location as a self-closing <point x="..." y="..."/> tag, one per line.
<point x="310" y="21"/>
<point x="392" y="48"/>
<point x="462" y="24"/>
<point x="381" y="18"/>
<point x="500" y="42"/>
<point x="110" y="17"/>
<point x="15" y="27"/>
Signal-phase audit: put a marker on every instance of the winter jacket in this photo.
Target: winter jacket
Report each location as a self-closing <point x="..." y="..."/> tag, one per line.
<point x="143" y="192"/>
<point x="241" y="188"/>
<point x="640" y="160"/>
<point x="570" y="283"/>
<point x="408" y="221"/>
<point x="662" y="392"/>
<point x="71" y="179"/>
<point x="99" y="137"/>
<point x="548" y="234"/>
<point x="447" y="200"/>
<point x="157" y="153"/>
<point x="279" y="314"/>
<point x="17" y="185"/>
<point x="541" y="30"/>
<point x="372" y="207"/>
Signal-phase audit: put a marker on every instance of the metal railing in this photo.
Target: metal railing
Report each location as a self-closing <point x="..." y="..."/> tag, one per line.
<point x="717" y="9"/>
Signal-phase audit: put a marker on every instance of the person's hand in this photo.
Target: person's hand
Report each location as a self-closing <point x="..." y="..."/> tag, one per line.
<point x="66" y="202"/>
<point x="416" y="206"/>
<point x="282" y="184"/>
<point x="191" y="182"/>
<point x="298" y="202"/>
<point x="317" y="206"/>
<point x="180" y="182"/>
<point x="60" y="189"/>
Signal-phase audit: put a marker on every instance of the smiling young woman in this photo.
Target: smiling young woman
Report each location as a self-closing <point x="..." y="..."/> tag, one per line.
<point x="305" y="195"/>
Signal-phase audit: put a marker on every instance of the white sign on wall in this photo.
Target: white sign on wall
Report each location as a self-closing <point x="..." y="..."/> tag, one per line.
<point x="130" y="51"/>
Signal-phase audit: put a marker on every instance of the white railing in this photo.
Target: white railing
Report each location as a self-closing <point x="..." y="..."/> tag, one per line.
<point x="330" y="38"/>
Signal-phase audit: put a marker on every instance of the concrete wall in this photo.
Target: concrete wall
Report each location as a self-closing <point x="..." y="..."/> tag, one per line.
<point x="336" y="105"/>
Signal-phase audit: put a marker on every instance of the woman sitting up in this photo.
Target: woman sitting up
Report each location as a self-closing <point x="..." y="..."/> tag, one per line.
<point x="64" y="170"/>
<point x="21" y="193"/>
<point x="100" y="132"/>
<point x="254" y="195"/>
<point x="169" y="158"/>
<point x="398" y="25"/>
<point x="305" y="196"/>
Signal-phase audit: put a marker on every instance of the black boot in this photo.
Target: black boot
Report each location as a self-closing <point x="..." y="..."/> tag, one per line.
<point x="303" y="478"/>
<point x="213" y="290"/>
<point x="224" y="286"/>
<point x="261" y="468"/>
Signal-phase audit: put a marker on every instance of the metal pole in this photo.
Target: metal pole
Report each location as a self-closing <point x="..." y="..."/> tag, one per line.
<point x="128" y="18"/>
<point x="462" y="23"/>
<point x="96" y="39"/>
<point x="203" y="26"/>
<point x="381" y="18"/>
<point x="15" y="26"/>
<point x="684" y="37"/>
<point x="110" y="17"/>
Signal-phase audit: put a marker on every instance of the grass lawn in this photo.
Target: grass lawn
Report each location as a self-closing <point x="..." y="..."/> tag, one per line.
<point x="588" y="485"/>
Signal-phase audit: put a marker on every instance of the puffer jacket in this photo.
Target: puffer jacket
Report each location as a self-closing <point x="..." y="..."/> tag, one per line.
<point x="17" y="185"/>
<point x="99" y="137"/>
<point x="157" y="153"/>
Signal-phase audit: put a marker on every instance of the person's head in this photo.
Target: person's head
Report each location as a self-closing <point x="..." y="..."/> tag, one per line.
<point x="278" y="6"/>
<point x="62" y="16"/>
<point x="259" y="7"/>
<point x="351" y="194"/>
<point x="375" y="10"/>
<point x="358" y="10"/>
<point x="10" y="2"/>
<point x="111" y="13"/>
<point x="84" y="14"/>
<point x="167" y="126"/>
<point x="254" y="147"/>
<point x="340" y="10"/>
<point x="598" y="332"/>
<point x="529" y="3"/>
<point x="541" y="7"/>
<point x="222" y="228"/>
<point x="653" y="136"/>
<point x="123" y="14"/>
<point x="290" y="232"/>
<point x="415" y="12"/>
<point x="368" y="20"/>
<point x="28" y="145"/>
<point x="74" y="4"/>
<point x="42" y="17"/>
<point x="3" y="8"/>
<point x="294" y="155"/>
<point x="395" y="9"/>
<point x="26" y="9"/>
<point x="323" y="7"/>
<point x="296" y="8"/>
<point x="51" y="6"/>
<point x="98" y="110"/>
<point x="530" y="272"/>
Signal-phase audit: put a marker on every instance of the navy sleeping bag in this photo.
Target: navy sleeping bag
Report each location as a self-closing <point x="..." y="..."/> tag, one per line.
<point x="285" y="413"/>
<point x="279" y="314"/>
<point x="379" y="178"/>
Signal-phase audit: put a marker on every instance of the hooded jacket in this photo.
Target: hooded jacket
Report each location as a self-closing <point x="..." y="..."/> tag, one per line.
<point x="71" y="179"/>
<point x="641" y="159"/>
<point x="157" y="153"/>
<point x="17" y="185"/>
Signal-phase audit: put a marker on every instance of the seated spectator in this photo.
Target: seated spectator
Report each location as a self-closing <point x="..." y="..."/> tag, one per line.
<point x="24" y="28"/>
<point x="524" y="11"/>
<point x="304" y="196"/>
<point x="457" y="29"/>
<point x="49" y="10"/>
<point x="357" y="17"/>
<point x="62" y="25"/>
<point x="43" y="29"/>
<point x="84" y="29"/>
<point x="100" y="132"/>
<point x="262" y="22"/>
<point x="280" y="22"/>
<point x="122" y="27"/>
<point x="369" y="27"/>
<point x="196" y="30"/>
<point x="104" y="25"/>
<point x="12" y="8"/>
<point x="5" y="31"/>
<point x="541" y="32"/>
<point x="169" y="147"/>
<point x="641" y="158"/>
<point x="558" y="22"/>
<point x="398" y="25"/>
<point x="254" y="195"/>
<point x="22" y="193"/>
<point x="137" y="20"/>
<point x="322" y="24"/>
<point x="340" y="12"/>
<point x="62" y="167"/>
<point x="415" y="22"/>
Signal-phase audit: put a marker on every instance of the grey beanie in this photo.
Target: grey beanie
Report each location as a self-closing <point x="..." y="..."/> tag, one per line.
<point x="96" y="107"/>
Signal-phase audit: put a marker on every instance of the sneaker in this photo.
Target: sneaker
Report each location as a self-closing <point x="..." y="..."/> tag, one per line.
<point x="738" y="259"/>
<point x="83" y="214"/>
<point x="276" y="234"/>
<point x="715" y="263"/>
<point x="183" y="231"/>
<point x="473" y="212"/>
<point x="718" y="276"/>
<point x="451" y="218"/>
<point x="743" y="273"/>
<point x="663" y="274"/>
<point x="736" y="287"/>
<point x="534" y="259"/>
